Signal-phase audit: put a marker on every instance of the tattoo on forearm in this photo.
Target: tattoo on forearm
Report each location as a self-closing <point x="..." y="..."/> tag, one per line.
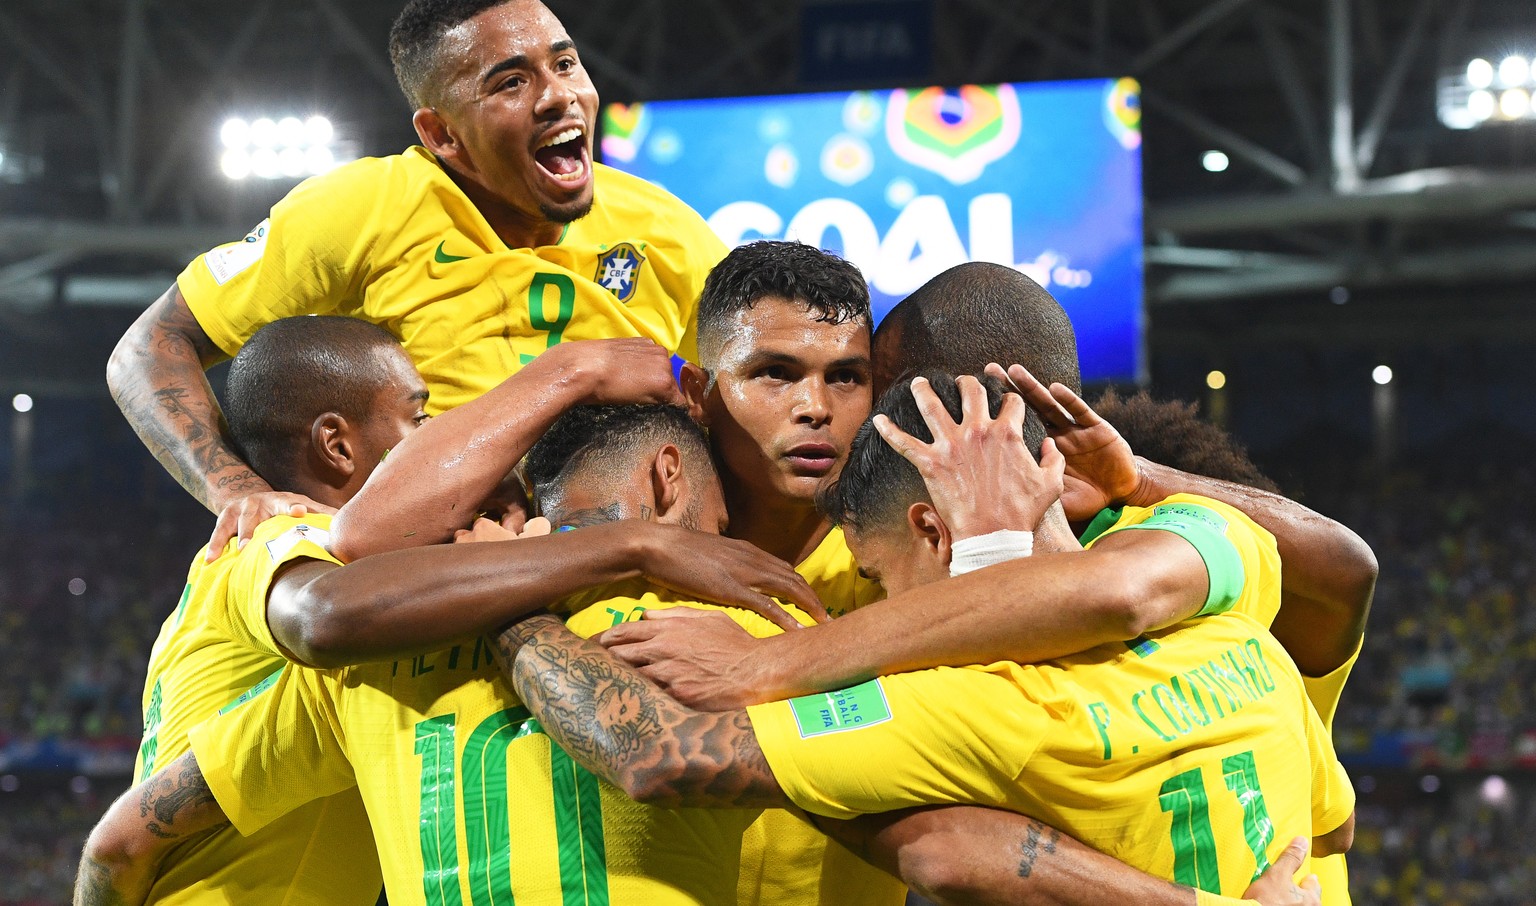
<point x="179" y="425"/>
<point x="93" y="886"/>
<point x="1039" y="840"/>
<point x="166" y="797"/>
<point x="621" y="726"/>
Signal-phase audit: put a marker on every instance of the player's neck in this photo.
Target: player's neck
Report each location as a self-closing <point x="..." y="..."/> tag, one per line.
<point x="514" y="228"/>
<point x="519" y="233"/>
<point x="789" y="529"/>
<point x="323" y="493"/>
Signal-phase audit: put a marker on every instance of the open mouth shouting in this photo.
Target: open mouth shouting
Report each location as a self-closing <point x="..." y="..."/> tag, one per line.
<point x="563" y="157"/>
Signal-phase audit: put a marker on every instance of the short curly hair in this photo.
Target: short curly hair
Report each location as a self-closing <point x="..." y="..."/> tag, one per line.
<point x="1172" y="433"/>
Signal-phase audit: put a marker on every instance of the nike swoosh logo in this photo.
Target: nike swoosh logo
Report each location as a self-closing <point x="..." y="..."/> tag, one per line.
<point x="441" y="258"/>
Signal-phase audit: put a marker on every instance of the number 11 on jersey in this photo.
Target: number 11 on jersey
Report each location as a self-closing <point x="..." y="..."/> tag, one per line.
<point x="1194" y="843"/>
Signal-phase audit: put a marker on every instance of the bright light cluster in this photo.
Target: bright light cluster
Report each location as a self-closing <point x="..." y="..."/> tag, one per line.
<point x="1489" y="93"/>
<point x="286" y="148"/>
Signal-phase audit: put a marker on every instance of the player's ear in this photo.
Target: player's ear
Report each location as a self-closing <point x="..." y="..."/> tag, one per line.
<point x="929" y="528"/>
<point x="668" y="484"/>
<point x="435" y="134"/>
<point x="695" y="383"/>
<point x="332" y="448"/>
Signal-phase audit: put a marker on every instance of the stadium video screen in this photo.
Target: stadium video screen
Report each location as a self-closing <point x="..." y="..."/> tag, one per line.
<point x="906" y="183"/>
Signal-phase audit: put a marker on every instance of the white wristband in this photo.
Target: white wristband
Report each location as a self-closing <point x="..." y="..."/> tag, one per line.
<point x="971" y="554"/>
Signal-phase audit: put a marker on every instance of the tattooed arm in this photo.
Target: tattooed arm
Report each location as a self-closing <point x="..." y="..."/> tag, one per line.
<point x="156" y="376"/>
<point x="622" y="727"/>
<point x="123" y="854"/>
<point x="978" y="856"/>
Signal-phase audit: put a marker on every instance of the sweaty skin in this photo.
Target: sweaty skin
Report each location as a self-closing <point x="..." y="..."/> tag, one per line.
<point x="786" y="395"/>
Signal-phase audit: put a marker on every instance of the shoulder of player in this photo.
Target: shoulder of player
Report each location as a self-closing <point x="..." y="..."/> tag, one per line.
<point x="625" y="197"/>
<point x="1221" y="516"/>
<point x="362" y="183"/>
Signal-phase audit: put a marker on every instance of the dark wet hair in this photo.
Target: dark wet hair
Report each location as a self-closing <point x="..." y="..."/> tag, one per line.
<point x="291" y="372"/>
<point x="877" y="485"/>
<point x="831" y="287"/>
<point x="1172" y="433"/>
<point x="606" y="438"/>
<point x="416" y="36"/>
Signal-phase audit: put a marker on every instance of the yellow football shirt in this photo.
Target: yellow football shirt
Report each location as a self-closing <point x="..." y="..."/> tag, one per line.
<point x="1324" y="691"/>
<point x="210" y="652"/>
<point x="1262" y="602"/>
<point x="1179" y="753"/>
<point x="394" y="241"/>
<point x="784" y="860"/>
<point x="470" y="801"/>
<point x="1253" y="577"/>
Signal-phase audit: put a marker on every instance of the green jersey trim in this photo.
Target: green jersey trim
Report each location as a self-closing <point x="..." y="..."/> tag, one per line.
<point x="1100" y="524"/>
<point x="1206" y="529"/>
<point x="254" y="691"/>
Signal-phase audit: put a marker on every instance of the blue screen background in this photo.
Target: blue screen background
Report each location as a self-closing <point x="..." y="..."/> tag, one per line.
<point x="1055" y="164"/>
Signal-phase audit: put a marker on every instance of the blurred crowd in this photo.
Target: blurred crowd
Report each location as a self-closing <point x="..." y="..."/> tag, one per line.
<point x="80" y="605"/>
<point x="1447" y="677"/>
<point x="1443" y="691"/>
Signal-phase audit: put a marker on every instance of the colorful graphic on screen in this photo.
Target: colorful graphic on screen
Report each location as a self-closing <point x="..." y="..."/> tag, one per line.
<point x="907" y="183"/>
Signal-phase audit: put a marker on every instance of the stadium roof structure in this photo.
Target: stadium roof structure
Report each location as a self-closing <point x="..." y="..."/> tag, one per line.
<point x="1340" y="172"/>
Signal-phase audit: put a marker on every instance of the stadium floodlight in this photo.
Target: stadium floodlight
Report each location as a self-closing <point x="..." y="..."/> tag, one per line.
<point x="1480" y="73"/>
<point x="1382" y="375"/>
<point x="1515" y="103"/>
<point x="1485" y="94"/>
<point x="285" y="147"/>
<point x="263" y="132"/>
<point x="1481" y="104"/>
<point x="21" y="402"/>
<point x="1514" y="70"/>
<point x="235" y="133"/>
<point x="290" y="132"/>
<point x="1214" y="161"/>
<point x="319" y="131"/>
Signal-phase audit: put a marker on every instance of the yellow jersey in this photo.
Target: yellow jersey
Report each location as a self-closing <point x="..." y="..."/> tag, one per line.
<point x="395" y="241"/>
<point x="1261" y="603"/>
<point x="1324" y="691"/>
<point x="470" y="800"/>
<point x="211" y="649"/>
<point x="1179" y="753"/>
<point x="785" y="861"/>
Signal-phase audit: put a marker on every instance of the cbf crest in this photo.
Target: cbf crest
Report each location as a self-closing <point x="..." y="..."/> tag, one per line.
<point x="618" y="270"/>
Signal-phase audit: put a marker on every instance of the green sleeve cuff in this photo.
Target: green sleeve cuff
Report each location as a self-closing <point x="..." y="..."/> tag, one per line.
<point x="1206" y="529"/>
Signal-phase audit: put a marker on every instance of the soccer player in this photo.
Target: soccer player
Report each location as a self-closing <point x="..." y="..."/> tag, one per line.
<point x="1083" y="742"/>
<point x="784" y="359"/>
<point x="1170" y="433"/>
<point x="782" y="385"/>
<point x="494" y="240"/>
<point x="286" y="742"/>
<point x="467" y="797"/>
<point x="370" y="397"/>
<point x="960" y="321"/>
<point x="316" y="403"/>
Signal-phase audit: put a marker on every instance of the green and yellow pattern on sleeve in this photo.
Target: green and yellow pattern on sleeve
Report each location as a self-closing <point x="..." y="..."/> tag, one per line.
<point x="470" y="801"/>
<point x="213" y="648"/>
